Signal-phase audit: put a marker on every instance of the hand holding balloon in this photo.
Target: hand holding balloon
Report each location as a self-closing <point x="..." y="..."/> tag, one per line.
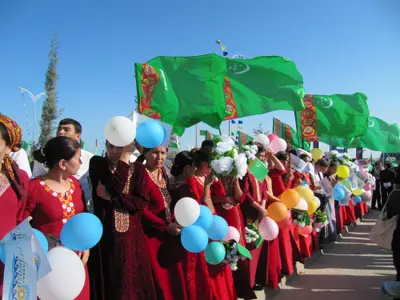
<point x="174" y="229"/>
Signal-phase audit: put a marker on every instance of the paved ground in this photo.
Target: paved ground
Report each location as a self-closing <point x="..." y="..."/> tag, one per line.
<point x="352" y="268"/>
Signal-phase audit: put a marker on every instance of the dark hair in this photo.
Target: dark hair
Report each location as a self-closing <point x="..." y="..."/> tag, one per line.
<point x="322" y="162"/>
<point x="388" y="165"/>
<point x="56" y="149"/>
<point x="76" y="124"/>
<point x="260" y="149"/>
<point x="182" y="159"/>
<point x="200" y="157"/>
<point x="281" y="155"/>
<point x="333" y="163"/>
<point x="303" y="156"/>
<point x="207" y="143"/>
<point x="4" y="134"/>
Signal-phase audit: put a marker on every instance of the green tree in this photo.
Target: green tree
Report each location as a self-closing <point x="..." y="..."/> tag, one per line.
<point x="49" y="109"/>
<point x="259" y="129"/>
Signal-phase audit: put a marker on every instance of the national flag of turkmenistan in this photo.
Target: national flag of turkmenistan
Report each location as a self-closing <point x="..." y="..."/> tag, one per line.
<point x="244" y="138"/>
<point x="184" y="91"/>
<point x="287" y="133"/>
<point x="380" y="136"/>
<point x="338" y="115"/>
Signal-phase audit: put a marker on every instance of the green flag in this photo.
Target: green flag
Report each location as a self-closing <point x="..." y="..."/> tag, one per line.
<point x="380" y="136"/>
<point x="243" y="138"/>
<point x="287" y="133"/>
<point x="258" y="169"/>
<point x="183" y="91"/>
<point x="341" y="116"/>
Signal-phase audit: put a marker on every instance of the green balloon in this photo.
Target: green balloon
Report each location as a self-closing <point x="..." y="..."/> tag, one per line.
<point x="215" y="253"/>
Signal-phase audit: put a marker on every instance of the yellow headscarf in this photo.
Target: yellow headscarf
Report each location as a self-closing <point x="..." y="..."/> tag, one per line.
<point x="15" y="133"/>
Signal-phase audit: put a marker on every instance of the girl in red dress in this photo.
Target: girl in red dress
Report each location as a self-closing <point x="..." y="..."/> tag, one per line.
<point x="57" y="196"/>
<point x="150" y="184"/>
<point x="13" y="181"/>
<point x="119" y="266"/>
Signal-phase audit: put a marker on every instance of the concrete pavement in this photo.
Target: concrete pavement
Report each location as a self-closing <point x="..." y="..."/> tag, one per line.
<point x="351" y="268"/>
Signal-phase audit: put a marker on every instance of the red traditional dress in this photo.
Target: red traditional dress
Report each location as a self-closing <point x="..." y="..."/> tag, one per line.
<point x="166" y="251"/>
<point x="11" y="210"/>
<point x="51" y="210"/>
<point x="119" y="266"/>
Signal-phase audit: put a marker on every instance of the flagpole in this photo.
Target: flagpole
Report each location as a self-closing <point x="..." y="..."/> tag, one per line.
<point x="229" y="127"/>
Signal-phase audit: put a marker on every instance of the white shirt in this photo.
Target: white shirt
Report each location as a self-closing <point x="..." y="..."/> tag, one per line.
<point x="21" y="159"/>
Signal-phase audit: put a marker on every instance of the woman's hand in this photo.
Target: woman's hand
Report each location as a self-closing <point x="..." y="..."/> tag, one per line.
<point x="210" y="179"/>
<point x="262" y="213"/>
<point x="174" y="229"/>
<point x="84" y="256"/>
<point x="102" y="192"/>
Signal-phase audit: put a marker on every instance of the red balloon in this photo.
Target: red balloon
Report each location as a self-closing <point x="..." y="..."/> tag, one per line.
<point x="272" y="136"/>
<point x="305" y="231"/>
<point x="286" y="222"/>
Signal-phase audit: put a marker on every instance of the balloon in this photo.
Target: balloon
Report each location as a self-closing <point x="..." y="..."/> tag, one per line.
<point x="194" y="238"/>
<point x="262" y="139"/>
<point x="367" y="187"/>
<point x="233" y="234"/>
<point x="312" y="207"/>
<point x="305" y="193"/>
<point x="272" y="136"/>
<point x="150" y="134"/>
<point x="357" y="199"/>
<point x="278" y="145"/>
<point x="42" y="240"/>
<point x="187" y="211"/>
<point x="304" y="231"/>
<point x="358" y="192"/>
<point x="277" y="211"/>
<point x="81" y="232"/>
<point x="2" y="253"/>
<point x="368" y="194"/>
<point x="215" y="253"/>
<point x="316" y="154"/>
<point x="286" y="222"/>
<point x="67" y="276"/>
<point x="268" y="229"/>
<point x="120" y="131"/>
<point x="205" y="218"/>
<point x="290" y="198"/>
<point x="303" y="205"/>
<point x="218" y="229"/>
<point x="316" y="199"/>
<point x="338" y="193"/>
<point x="343" y="171"/>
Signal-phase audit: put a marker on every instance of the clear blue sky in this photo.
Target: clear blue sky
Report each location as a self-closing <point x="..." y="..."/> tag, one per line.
<point x="338" y="46"/>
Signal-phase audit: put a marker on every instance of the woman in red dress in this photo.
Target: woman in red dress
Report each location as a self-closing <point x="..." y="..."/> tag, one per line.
<point x="57" y="196"/>
<point x="200" y="187"/>
<point x="150" y="184"/>
<point x="13" y="181"/>
<point x="119" y="266"/>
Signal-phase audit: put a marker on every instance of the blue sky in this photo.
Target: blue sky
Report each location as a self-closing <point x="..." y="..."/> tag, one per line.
<point x="338" y="46"/>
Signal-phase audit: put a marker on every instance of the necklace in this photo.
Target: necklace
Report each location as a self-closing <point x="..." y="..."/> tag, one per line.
<point x="199" y="180"/>
<point x="162" y="186"/>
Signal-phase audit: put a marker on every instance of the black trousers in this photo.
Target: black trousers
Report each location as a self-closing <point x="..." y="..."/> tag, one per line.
<point x="385" y="194"/>
<point x="376" y="196"/>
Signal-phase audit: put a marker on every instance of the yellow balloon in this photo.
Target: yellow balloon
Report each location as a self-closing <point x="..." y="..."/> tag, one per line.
<point x="317" y="154"/>
<point x="290" y="198"/>
<point x="358" y="192"/>
<point x="305" y="193"/>
<point x="277" y="211"/>
<point x="312" y="207"/>
<point x="343" y="171"/>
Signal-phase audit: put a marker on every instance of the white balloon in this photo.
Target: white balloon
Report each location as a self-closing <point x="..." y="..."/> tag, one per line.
<point x="316" y="199"/>
<point x="67" y="276"/>
<point x="262" y="139"/>
<point x="302" y="205"/>
<point x="187" y="211"/>
<point x="120" y="131"/>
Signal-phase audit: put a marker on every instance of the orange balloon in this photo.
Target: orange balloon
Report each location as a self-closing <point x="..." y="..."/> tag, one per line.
<point x="277" y="211"/>
<point x="290" y="198"/>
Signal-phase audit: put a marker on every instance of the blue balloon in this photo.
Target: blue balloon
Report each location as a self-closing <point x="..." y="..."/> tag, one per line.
<point x="194" y="238"/>
<point x="215" y="253"/>
<point x="42" y="240"/>
<point x="82" y="232"/>
<point x="338" y="193"/>
<point x="205" y="219"/>
<point x="2" y="253"/>
<point x="218" y="229"/>
<point x="357" y="199"/>
<point x="150" y="134"/>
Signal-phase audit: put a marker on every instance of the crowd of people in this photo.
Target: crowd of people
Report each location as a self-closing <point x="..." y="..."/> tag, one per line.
<point x="140" y="255"/>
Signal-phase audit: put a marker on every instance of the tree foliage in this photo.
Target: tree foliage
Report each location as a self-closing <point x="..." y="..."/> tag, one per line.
<point x="49" y="109"/>
<point x="259" y="130"/>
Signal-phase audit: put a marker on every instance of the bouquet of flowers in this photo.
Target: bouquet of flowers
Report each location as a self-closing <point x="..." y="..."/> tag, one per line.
<point x="227" y="161"/>
<point x="251" y="233"/>
<point x="300" y="218"/>
<point x="234" y="253"/>
<point x="320" y="220"/>
<point x="250" y="151"/>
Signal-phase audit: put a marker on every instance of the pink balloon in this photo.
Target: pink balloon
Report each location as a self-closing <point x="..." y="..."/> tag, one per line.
<point x="233" y="234"/>
<point x="278" y="145"/>
<point x="286" y="222"/>
<point x="268" y="229"/>
<point x="367" y="187"/>
<point x="272" y="136"/>
<point x="305" y="231"/>
<point x="368" y="194"/>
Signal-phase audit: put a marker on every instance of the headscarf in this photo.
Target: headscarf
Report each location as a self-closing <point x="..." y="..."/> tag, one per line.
<point x="15" y="133"/>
